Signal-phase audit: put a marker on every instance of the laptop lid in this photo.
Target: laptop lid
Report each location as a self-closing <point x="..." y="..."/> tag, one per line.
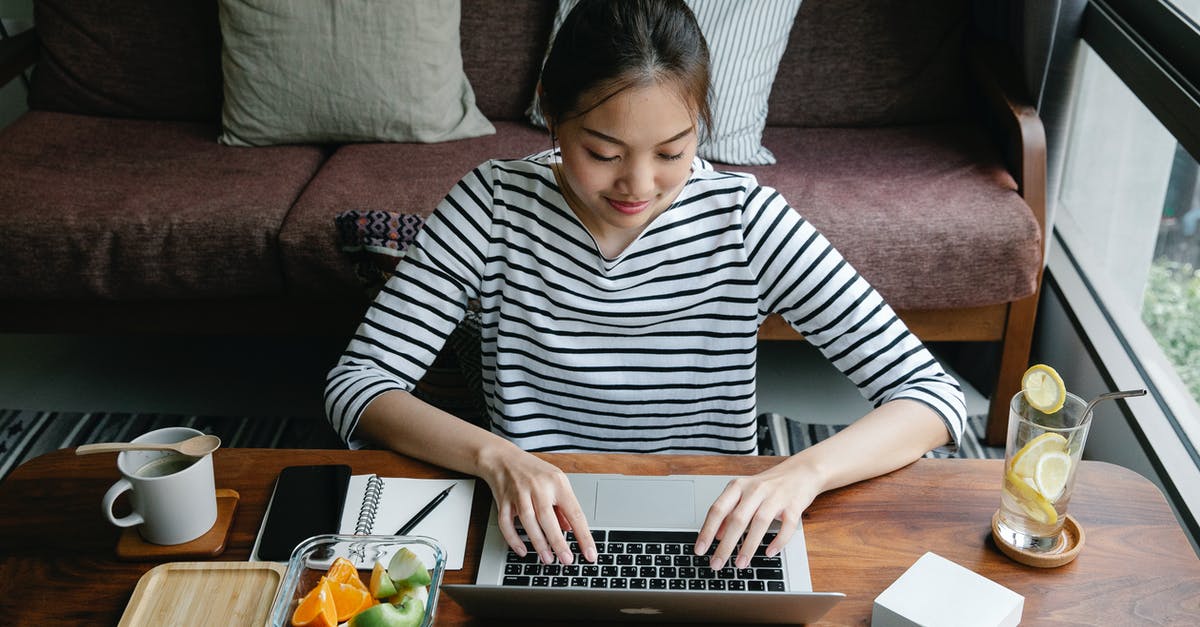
<point x="643" y="503"/>
<point x="570" y="605"/>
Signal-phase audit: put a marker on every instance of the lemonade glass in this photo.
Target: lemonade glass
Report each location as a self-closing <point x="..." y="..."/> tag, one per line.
<point x="1040" y="459"/>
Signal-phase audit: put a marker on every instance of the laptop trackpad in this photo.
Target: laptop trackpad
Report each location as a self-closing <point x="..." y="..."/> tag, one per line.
<point x="645" y="503"/>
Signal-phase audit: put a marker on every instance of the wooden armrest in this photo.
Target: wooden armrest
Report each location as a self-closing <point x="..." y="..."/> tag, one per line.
<point x="1013" y="116"/>
<point x="17" y="53"/>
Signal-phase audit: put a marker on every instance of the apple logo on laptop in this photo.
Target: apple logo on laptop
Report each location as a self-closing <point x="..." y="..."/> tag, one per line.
<point x="640" y="610"/>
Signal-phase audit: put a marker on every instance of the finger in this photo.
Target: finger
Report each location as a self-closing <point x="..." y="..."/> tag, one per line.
<point x="787" y="528"/>
<point x="759" y="524"/>
<point x="563" y="523"/>
<point x="734" y="525"/>
<point x="733" y="532"/>
<point x="713" y="526"/>
<point x="509" y="531"/>
<point x="573" y="513"/>
<point x="548" y="519"/>
<point x="533" y="530"/>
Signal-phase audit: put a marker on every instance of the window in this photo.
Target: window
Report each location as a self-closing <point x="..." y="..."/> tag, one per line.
<point x="1189" y="8"/>
<point x="1172" y="296"/>
<point x="1129" y="211"/>
<point x="1126" y="218"/>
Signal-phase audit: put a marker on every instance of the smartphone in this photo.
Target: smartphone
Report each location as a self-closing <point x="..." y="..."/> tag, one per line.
<point x="307" y="501"/>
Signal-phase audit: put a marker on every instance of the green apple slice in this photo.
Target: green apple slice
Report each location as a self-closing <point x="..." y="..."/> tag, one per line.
<point x="381" y="585"/>
<point x="387" y="615"/>
<point x="412" y="610"/>
<point x="421" y="593"/>
<point x="405" y="568"/>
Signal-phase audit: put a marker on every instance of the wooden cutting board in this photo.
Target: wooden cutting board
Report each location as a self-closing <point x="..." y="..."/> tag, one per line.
<point x="204" y="593"/>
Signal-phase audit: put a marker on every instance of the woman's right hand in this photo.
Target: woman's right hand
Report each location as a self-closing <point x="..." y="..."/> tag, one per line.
<point x="537" y="493"/>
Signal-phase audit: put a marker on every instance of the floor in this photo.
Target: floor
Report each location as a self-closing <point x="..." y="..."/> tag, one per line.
<point x="272" y="376"/>
<point x="221" y="376"/>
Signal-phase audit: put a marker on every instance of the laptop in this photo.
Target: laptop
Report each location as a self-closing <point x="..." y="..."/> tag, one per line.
<point x="644" y="528"/>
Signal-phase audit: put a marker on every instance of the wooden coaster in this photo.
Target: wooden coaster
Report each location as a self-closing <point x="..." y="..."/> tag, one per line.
<point x="132" y="547"/>
<point x="1073" y="539"/>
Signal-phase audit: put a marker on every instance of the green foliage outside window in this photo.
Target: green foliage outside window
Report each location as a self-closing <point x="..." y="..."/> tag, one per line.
<point x="1171" y="310"/>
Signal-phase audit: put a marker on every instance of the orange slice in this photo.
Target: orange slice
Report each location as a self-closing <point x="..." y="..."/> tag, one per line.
<point x="317" y="608"/>
<point x="350" y="599"/>
<point x="342" y="570"/>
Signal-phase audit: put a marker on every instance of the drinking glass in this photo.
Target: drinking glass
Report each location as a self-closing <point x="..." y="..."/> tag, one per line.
<point x="1041" y="456"/>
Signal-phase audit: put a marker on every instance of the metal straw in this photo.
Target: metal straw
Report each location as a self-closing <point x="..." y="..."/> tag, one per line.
<point x="1109" y="396"/>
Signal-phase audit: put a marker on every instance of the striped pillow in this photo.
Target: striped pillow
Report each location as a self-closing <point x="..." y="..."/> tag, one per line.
<point x="746" y="40"/>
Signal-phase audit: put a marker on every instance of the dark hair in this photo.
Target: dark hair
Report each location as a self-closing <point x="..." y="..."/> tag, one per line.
<point x="611" y="45"/>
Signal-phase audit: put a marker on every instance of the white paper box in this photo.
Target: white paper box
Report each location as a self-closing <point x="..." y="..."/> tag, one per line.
<point x="935" y="592"/>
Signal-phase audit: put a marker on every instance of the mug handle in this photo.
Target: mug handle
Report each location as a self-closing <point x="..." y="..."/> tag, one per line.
<point x="107" y="505"/>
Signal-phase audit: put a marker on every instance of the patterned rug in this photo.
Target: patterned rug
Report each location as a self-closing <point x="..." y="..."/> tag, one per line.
<point x="25" y="434"/>
<point x="803" y="435"/>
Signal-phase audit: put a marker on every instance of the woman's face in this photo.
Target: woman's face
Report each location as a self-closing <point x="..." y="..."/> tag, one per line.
<point x="625" y="161"/>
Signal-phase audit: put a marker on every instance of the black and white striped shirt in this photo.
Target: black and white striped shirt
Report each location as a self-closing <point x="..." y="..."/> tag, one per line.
<point x="653" y="351"/>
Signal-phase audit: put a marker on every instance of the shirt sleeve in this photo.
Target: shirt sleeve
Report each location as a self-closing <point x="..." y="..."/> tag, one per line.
<point x="418" y="308"/>
<point x="802" y="277"/>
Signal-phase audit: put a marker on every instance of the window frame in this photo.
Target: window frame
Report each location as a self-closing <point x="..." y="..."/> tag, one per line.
<point x="1145" y="43"/>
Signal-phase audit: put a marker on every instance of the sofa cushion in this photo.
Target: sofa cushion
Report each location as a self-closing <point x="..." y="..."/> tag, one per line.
<point x="128" y="58"/>
<point x="882" y="62"/>
<point x="401" y="178"/>
<point x="937" y="224"/>
<point x="300" y="72"/>
<point x="928" y="214"/>
<point x="140" y="210"/>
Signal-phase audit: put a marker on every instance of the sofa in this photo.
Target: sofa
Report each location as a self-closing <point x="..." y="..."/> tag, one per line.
<point x="906" y="141"/>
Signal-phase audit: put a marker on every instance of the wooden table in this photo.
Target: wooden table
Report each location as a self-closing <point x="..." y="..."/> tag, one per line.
<point x="57" y="563"/>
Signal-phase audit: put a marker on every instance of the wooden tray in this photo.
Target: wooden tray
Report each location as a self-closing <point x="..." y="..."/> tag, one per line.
<point x="204" y="593"/>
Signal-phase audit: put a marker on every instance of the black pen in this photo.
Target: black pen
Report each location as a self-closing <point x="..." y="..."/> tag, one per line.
<point x="429" y="507"/>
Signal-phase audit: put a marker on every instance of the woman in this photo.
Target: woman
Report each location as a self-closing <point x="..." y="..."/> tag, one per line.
<point x="621" y="283"/>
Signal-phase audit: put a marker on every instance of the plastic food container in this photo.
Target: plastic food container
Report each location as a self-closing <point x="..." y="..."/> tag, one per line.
<point x="312" y="558"/>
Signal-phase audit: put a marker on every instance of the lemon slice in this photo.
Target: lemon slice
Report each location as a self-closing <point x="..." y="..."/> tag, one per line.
<point x="1031" y="500"/>
<point x="1043" y="388"/>
<point x="1025" y="461"/>
<point x="1051" y="474"/>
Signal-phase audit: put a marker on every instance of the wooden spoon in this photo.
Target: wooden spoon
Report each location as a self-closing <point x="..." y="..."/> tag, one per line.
<point x="197" y="446"/>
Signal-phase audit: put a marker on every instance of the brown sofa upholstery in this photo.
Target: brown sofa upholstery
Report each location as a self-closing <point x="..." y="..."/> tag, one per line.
<point x="119" y="211"/>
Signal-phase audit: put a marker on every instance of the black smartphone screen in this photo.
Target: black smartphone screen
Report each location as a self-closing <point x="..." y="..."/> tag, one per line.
<point x="307" y="501"/>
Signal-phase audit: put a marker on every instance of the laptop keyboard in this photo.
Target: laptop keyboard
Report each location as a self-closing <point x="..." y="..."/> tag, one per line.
<point x="645" y="560"/>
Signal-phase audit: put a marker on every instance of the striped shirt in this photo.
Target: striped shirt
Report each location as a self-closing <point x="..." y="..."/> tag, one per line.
<point x="652" y="351"/>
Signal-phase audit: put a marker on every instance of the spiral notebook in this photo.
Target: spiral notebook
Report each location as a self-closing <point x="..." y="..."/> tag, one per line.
<point x="378" y="505"/>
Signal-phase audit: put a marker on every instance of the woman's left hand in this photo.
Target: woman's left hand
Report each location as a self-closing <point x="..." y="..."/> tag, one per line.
<point x="749" y="505"/>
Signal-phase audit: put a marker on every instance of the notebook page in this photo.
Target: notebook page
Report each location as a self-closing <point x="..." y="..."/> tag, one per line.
<point x="403" y="497"/>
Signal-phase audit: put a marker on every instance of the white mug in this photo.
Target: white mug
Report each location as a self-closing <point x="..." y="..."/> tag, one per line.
<point x="173" y="496"/>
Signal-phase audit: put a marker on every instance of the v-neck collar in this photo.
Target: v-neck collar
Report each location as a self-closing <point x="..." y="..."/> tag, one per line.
<point x="605" y="263"/>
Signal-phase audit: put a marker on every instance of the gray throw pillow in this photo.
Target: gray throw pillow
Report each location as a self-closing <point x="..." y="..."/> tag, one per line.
<point x="317" y="71"/>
